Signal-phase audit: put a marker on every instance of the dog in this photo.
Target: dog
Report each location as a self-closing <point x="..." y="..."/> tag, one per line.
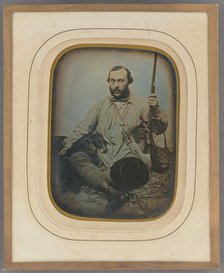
<point x="90" y="145"/>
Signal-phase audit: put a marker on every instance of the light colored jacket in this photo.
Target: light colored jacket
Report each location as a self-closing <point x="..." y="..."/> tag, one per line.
<point x="101" y="119"/>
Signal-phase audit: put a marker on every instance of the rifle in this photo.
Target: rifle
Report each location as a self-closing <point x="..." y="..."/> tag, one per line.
<point x="152" y="92"/>
<point x="161" y="157"/>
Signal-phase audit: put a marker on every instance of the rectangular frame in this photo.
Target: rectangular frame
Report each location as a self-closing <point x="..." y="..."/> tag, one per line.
<point x="211" y="10"/>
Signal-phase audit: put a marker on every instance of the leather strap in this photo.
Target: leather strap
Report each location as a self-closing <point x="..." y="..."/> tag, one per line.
<point x="130" y="142"/>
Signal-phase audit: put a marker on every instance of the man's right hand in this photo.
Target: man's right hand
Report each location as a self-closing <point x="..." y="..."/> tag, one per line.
<point x="64" y="151"/>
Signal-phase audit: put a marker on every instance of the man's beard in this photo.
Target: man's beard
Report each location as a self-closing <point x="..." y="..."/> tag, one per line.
<point x="123" y="94"/>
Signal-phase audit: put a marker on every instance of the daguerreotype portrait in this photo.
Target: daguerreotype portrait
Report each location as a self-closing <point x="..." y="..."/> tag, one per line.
<point x="114" y="124"/>
<point x="110" y="137"/>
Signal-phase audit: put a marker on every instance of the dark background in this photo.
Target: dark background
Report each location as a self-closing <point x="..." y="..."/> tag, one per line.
<point x="221" y="82"/>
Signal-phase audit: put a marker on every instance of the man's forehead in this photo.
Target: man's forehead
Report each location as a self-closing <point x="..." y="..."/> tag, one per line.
<point x="118" y="73"/>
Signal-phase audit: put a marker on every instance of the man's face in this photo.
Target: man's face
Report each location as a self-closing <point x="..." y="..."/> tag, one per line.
<point x="118" y="83"/>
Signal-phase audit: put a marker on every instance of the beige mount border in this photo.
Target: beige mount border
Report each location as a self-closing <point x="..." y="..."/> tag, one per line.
<point x="212" y="12"/>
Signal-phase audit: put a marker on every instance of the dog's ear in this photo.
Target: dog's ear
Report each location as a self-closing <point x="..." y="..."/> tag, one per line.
<point x="99" y="142"/>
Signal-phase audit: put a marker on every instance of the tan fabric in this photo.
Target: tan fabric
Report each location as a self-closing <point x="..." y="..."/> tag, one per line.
<point x="101" y="118"/>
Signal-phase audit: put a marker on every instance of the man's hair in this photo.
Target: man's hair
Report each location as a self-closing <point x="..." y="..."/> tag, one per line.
<point x="119" y="67"/>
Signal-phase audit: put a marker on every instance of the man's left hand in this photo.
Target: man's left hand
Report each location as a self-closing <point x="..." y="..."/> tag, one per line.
<point x="153" y="102"/>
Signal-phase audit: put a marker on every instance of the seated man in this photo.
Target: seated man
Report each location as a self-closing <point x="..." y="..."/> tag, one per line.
<point x="116" y="118"/>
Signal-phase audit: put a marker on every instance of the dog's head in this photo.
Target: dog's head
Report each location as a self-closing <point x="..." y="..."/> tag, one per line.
<point x="85" y="144"/>
<point x="99" y="142"/>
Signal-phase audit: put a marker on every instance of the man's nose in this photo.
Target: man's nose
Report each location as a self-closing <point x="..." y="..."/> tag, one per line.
<point x="116" y="84"/>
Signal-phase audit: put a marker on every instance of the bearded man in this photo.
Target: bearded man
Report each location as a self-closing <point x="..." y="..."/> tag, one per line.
<point x="121" y="118"/>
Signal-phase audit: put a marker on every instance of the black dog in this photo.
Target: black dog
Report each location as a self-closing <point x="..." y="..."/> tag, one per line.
<point x="90" y="144"/>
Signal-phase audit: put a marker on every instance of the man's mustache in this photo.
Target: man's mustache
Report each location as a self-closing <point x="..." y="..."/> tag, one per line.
<point x="115" y="90"/>
<point x="123" y="93"/>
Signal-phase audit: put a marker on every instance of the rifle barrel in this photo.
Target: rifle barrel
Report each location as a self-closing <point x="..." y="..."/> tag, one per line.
<point x="152" y="91"/>
<point x="154" y="74"/>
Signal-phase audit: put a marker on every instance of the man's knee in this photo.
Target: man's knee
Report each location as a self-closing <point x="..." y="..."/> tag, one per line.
<point x="92" y="175"/>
